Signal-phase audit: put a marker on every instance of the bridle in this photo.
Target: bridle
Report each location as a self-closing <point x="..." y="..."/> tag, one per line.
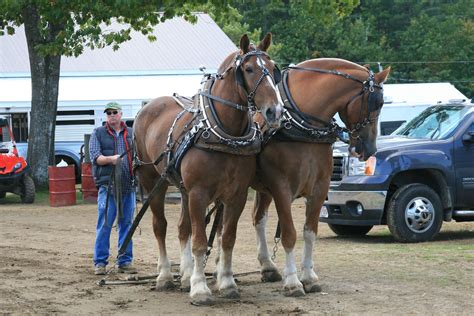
<point x="239" y="77"/>
<point x="368" y="86"/>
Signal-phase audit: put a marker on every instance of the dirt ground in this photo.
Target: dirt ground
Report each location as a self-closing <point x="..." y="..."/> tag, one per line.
<point x="46" y="268"/>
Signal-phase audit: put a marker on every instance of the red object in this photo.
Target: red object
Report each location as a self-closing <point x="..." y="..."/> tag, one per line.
<point x="62" y="186"/>
<point x="89" y="190"/>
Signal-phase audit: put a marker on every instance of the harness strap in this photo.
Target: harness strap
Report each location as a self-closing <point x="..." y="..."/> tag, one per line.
<point x="217" y="218"/>
<point x="225" y="102"/>
<point x="292" y="104"/>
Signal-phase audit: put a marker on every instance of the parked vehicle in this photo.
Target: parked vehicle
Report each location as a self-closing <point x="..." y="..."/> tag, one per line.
<point x="14" y="170"/>
<point x="68" y="151"/>
<point x="422" y="175"/>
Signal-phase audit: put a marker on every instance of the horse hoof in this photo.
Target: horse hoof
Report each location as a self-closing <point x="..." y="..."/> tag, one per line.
<point x="230" y="293"/>
<point x="202" y="300"/>
<point x="166" y="286"/>
<point x="295" y="292"/>
<point x="312" y="288"/>
<point x="271" y="276"/>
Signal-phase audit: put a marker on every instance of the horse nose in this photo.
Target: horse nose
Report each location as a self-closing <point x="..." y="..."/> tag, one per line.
<point x="273" y="116"/>
<point x="270" y="113"/>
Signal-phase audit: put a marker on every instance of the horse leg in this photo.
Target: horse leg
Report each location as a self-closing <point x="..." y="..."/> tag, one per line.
<point x="292" y="285"/>
<point x="199" y="293"/>
<point x="184" y="235"/>
<point x="225" y="276"/>
<point x="308" y="277"/>
<point x="164" y="281"/>
<point x="269" y="271"/>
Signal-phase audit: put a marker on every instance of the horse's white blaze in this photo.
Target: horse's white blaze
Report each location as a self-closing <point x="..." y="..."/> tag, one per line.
<point x="186" y="266"/>
<point x="225" y="277"/>
<point x="198" y="279"/>
<point x="260" y="62"/>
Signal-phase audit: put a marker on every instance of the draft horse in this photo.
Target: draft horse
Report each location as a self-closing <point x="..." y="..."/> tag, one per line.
<point x="208" y="150"/>
<point x="297" y="160"/>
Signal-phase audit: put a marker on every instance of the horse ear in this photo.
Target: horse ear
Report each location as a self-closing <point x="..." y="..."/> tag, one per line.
<point x="244" y="44"/>
<point x="367" y="66"/>
<point x="382" y="76"/>
<point x="266" y="42"/>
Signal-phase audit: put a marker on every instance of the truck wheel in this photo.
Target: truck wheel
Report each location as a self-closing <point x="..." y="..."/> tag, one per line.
<point x="27" y="190"/>
<point x="414" y="213"/>
<point x="346" y="230"/>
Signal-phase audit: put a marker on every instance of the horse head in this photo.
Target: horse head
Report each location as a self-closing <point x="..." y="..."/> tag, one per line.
<point x="257" y="77"/>
<point x="361" y="112"/>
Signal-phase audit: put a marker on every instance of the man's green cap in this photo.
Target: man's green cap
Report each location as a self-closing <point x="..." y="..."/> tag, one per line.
<point x="112" y="106"/>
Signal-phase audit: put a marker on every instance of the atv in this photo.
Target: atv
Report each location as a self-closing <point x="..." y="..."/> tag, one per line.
<point x="14" y="171"/>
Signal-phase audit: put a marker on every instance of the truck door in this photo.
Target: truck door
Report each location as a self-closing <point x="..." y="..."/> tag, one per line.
<point x="464" y="168"/>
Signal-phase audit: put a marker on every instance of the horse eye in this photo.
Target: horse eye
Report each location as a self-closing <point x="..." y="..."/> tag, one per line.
<point x="249" y="69"/>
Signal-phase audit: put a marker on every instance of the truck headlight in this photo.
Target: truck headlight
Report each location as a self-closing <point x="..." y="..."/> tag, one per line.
<point x="361" y="168"/>
<point x="17" y="166"/>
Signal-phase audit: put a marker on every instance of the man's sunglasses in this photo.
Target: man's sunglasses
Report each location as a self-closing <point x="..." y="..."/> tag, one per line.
<point x="112" y="112"/>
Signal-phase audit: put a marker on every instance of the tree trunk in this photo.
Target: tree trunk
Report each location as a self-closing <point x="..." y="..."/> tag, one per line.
<point x="44" y="100"/>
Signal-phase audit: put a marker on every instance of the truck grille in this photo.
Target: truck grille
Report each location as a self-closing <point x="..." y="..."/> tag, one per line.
<point x="337" y="168"/>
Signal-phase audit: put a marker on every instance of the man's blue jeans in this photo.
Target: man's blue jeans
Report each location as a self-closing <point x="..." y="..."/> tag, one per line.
<point x="102" y="241"/>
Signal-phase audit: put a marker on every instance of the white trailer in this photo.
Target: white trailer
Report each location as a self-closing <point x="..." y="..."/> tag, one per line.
<point x="402" y="102"/>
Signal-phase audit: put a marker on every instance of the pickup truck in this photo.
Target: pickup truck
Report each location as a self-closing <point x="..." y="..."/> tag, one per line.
<point x="421" y="175"/>
<point x="69" y="151"/>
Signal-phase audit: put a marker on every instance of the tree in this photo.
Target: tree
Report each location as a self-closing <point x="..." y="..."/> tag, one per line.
<point x="56" y="28"/>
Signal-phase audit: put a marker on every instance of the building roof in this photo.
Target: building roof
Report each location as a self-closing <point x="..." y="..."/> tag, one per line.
<point x="181" y="47"/>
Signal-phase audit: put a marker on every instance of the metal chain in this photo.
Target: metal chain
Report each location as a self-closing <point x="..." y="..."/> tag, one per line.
<point x="275" y="248"/>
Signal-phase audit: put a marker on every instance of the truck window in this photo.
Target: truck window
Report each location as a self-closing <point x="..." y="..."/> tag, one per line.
<point x="387" y="127"/>
<point x="434" y="123"/>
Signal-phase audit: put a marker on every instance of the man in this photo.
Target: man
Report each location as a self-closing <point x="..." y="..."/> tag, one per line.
<point x="106" y="145"/>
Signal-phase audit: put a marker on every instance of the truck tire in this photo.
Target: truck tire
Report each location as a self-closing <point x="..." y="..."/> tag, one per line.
<point x="27" y="190"/>
<point x="414" y="213"/>
<point x="346" y="230"/>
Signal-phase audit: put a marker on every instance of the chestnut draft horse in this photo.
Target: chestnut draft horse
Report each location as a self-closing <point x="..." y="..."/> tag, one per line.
<point x="211" y="147"/>
<point x="297" y="160"/>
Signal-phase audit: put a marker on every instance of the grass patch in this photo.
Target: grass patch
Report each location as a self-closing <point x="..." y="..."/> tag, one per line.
<point x="41" y="198"/>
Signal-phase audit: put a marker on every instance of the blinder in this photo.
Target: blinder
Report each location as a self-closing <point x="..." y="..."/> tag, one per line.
<point x="276" y="75"/>
<point x="239" y="76"/>
<point x="375" y="100"/>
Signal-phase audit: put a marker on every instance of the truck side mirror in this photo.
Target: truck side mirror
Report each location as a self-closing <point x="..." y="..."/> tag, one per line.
<point x="468" y="137"/>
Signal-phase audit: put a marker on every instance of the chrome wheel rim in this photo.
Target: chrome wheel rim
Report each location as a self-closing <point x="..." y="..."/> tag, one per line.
<point x="419" y="215"/>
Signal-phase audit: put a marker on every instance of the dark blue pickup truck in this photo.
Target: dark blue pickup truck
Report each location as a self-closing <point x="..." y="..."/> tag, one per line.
<point x="421" y="175"/>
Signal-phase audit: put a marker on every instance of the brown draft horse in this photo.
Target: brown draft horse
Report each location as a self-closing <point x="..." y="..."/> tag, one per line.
<point x="245" y="77"/>
<point x="288" y="169"/>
